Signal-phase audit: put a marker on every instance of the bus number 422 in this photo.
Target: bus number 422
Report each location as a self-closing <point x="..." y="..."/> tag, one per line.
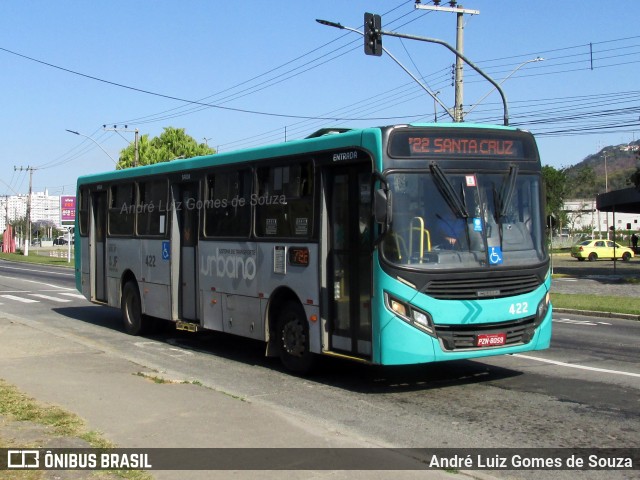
<point x="519" y="308"/>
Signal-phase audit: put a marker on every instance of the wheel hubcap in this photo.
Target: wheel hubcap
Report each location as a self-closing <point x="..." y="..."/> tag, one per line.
<point x="293" y="338"/>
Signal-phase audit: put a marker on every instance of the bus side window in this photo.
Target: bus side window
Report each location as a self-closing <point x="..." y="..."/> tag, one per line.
<point x="300" y="201"/>
<point x="228" y="204"/>
<point x="270" y="216"/>
<point x="83" y="211"/>
<point x="121" y="209"/>
<point x="284" y="204"/>
<point x="152" y="207"/>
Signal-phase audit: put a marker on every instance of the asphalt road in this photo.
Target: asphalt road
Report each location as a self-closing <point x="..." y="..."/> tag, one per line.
<point x="582" y="392"/>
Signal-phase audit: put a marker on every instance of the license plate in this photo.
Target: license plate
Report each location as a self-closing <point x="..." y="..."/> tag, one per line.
<point x="491" y="339"/>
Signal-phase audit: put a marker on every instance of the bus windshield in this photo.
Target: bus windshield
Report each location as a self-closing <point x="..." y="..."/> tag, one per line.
<point x="454" y="220"/>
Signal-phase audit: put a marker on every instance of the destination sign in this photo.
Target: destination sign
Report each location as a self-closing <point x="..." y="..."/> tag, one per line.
<point x="299" y="256"/>
<point x="452" y="144"/>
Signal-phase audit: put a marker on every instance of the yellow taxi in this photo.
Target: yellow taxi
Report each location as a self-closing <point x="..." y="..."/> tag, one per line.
<point x="595" y="249"/>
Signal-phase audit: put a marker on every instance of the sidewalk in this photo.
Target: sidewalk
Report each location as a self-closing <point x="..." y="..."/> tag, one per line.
<point x="134" y="412"/>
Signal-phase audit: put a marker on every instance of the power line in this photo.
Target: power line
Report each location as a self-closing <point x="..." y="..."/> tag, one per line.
<point x="184" y="100"/>
<point x="393" y="98"/>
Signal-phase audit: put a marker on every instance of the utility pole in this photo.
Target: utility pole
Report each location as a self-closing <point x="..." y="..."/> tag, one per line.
<point x="373" y="46"/>
<point x="136" y="148"/>
<point x="458" y="112"/>
<point x="606" y="175"/>
<point x="6" y="216"/>
<point x="28" y="236"/>
<point x="136" y="158"/>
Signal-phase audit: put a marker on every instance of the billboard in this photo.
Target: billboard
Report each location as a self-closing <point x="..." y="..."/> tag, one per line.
<point x="67" y="210"/>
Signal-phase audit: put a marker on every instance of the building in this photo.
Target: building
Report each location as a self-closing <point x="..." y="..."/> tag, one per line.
<point x="583" y="216"/>
<point x="43" y="207"/>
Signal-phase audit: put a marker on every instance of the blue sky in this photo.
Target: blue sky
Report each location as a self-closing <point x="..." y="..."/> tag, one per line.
<point x="266" y="71"/>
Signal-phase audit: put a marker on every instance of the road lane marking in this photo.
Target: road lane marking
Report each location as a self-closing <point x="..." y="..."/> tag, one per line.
<point x="580" y="367"/>
<point x="48" y="297"/>
<point x="57" y="287"/>
<point x="19" y="299"/>
<point x="66" y="294"/>
<point x="173" y="352"/>
<point x="576" y="322"/>
<point x="65" y="274"/>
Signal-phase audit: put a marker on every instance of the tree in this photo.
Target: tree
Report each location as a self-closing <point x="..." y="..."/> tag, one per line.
<point x="635" y="178"/>
<point x="42" y="228"/>
<point x="583" y="183"/>
<point x="172" y="143"/>
<point x="19" y="224"/>
<point x="555" y="185"/>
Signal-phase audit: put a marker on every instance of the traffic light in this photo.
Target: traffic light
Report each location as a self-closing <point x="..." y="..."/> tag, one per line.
<point x="372" y="34"/>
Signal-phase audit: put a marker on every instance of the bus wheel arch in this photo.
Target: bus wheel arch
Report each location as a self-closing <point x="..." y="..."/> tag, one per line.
<point x="289" y="336"/>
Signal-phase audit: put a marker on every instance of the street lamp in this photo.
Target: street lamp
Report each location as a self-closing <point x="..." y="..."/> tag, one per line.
<point x="426" y="89"/>
<point x="537" y="59"/>
<point x="87" y="136"/>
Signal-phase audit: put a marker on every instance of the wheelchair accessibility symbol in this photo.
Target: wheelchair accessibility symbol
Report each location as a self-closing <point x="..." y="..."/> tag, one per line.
<point x="165" y="250"/>
<point x="495" y="255"/>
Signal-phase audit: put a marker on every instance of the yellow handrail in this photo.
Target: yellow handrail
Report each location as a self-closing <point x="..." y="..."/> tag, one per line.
<point x="423" y="232"/>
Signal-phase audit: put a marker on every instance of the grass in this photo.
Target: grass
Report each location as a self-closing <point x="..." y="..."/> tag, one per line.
<point x="17" y="406"/>
<point x="161" y="380"/>
<point x="596" y="303"/>
<point x="40" y="259"/>
<point x="155" y="378"/>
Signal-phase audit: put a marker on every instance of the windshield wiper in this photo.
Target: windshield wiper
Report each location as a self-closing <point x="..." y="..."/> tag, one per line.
<point x="506" y="192"/>
<point x="502" y="200"/>
<point x="448" y="191"/>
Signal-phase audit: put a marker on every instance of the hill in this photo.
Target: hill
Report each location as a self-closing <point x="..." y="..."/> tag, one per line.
<point x="610" y="168"/>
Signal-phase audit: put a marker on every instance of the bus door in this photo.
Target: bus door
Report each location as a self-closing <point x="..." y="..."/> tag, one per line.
<point x="98" y="249"/>
<point x="348" y="191"/>
<point x="184" y="242"/>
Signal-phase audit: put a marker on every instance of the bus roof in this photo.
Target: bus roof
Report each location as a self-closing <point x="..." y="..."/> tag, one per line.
<point x="351" y="138"/>
<point x="324" y="139"/>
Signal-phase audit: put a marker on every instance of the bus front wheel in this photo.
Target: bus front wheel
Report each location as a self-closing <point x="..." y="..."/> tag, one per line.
<point x="293" y="339"/>
<point x="131" y="309"/>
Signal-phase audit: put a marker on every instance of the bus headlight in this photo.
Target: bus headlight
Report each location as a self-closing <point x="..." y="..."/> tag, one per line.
<point x="410" y="314"/>
<point x="543" y="308"/>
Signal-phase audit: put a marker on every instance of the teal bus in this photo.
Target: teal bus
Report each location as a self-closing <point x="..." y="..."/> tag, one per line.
<point x="394" y="245"/>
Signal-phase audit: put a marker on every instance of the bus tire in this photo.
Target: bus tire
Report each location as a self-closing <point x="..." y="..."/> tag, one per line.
<point x="293" y="339"/>
<point x="131" y="309"/>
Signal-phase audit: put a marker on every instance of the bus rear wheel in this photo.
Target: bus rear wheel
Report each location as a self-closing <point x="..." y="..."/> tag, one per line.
<point x="293" y="339"/>
<point x="132" y="309"/>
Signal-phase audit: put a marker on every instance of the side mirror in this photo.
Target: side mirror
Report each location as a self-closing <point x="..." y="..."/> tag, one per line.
<point x="382" y="207"/>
